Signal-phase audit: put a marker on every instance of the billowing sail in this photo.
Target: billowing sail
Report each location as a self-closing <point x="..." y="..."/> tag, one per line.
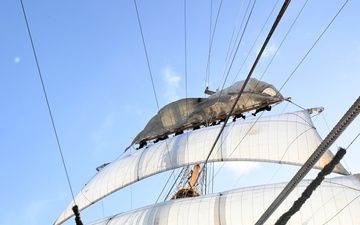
<point x="191" y="112"/>
<point x="336" y="201"/>
<point x="287" y="138"/>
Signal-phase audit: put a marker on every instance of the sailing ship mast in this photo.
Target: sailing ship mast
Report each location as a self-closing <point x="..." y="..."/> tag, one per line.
<point x="153" y="150"/>
<point x="190" y="191"/>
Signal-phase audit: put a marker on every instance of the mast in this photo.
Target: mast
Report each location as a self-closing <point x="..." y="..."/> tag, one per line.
<point x="190" y="191"/>
<point x="194" y="176"/>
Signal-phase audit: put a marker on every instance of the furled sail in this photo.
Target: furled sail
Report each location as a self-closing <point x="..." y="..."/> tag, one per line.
<point x="336" y="201"/>
<point x="287" y="138"/>
<point x="190" y="112"/>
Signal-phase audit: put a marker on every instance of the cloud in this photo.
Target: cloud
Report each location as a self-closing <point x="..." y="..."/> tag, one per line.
<point x="17" y="59"/>
<point x="269" y="51"/>
<point x="241" y="168"/>
<point x="171" y="84"/>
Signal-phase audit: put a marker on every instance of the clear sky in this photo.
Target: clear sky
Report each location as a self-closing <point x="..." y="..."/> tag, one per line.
<point x="97" y="79"/>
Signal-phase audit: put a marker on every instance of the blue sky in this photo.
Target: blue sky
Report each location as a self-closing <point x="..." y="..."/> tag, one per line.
<point x="95" y="72"/>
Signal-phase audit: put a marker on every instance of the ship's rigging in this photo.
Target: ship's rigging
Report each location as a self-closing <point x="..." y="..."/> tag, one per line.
<point x="192" y="182"/>
<point x="228" y="114"/>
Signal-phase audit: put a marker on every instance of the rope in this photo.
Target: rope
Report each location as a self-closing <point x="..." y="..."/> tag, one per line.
<point x="75" y="208"/>
<point x="233" y="38"/>
<point x="311" y="187"/>
<point x="47" y="100"/>
<point x="146" y="54"/>
<point x="277" y="20"/>
<point x="283" y="40"/>
<point x="185" y="53"/>
<point x="77" y="215"/>
<point x="233" y="59"/>
<point x="342" y="209"/>
<point x="255" y="41"/>
<point x="237" y="48"/>
<point x="171" y="188"/>
<point x="149" y="68"/>
<point x="211" y="39"/>
<point x="317" y="40"/>
<point x="353" y="140"/>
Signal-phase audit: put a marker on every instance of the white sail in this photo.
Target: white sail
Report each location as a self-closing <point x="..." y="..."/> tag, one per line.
<point x="336" y="201"/>
<point x="287" y="138"/>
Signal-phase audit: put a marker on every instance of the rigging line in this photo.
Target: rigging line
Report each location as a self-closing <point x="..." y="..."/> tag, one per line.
<point x="218" y="170"/>
<point x="349" y="147"/>
<point x="186" y="103"/>
<point x="215" y="174"/>
<point x="311" y="48"/>
<point x="276" y="22"/>
<point x="277" y="48"/>
<point x="353" y="141"/>
<point x="131" y="199"/>
<point x="146" y="55"/>
<point x="162" y="191"/>
<point x="228" y="54"/>
<point x="233" y="59"/>
<point x="185" y="53"/>
<point x="342" y="209"/>
<point x="241" y="139"/>
<point x="240" y="176"/>
<point x="186" y="69"/>
<point x="213" y="170"/>
<point x="237" y="47"/>
<point x="328" y="130"/>
<point x="253" y="45"/>
<point x="287" y="33"/>
<point x="102" y="206"/>
<point x="235" y="26"/>
<point x="149" y="67"/>
<point x="344" y="163"/>
<point x="289" y="100"/>
<point x="326" y="123"/>
<point x="211" y="39"/>
<point x="335" y="195"/>
<point x="280" y="165"/>
<point x="207" y="74"/>
<point x="180" y="173"/>
<point x="47" y="101"/>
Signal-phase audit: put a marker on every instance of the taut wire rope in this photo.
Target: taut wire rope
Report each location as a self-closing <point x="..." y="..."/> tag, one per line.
<point x="281" y="43"/>
<point x="317" y="40"/>
<point x="146" y="55"/>
<point x="211" y="39"/>
<point x="186" y="99"/>
<point x="255" y="41"/>
<point x="236" y="50"/>
<point x="47" y="101"/>
<point x="75" y="208"/>
<point x="276" y="22"/>
<point x="150" y="73"/>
